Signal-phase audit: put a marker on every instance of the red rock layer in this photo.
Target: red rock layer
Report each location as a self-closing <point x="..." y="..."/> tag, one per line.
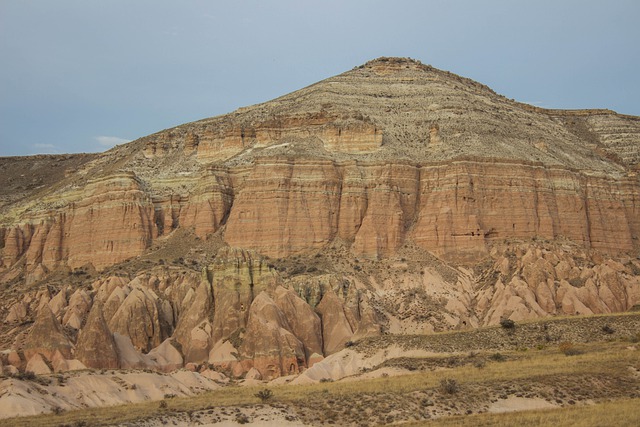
<point x="111" y="222"/>
<point x="453" y="209"/>
<point x="286" y="206"/>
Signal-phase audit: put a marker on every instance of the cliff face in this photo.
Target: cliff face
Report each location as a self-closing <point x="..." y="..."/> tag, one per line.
<point x="286" y="206"/>
<point x="451" y="209"/>
<point x="393" y="197"/>
<point x="108" y="221"/>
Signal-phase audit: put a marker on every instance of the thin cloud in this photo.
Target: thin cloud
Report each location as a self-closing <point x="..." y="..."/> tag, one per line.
<point x="540" y="104"/>
<point x="39" y="148"/>
<point x="110" y="141"/>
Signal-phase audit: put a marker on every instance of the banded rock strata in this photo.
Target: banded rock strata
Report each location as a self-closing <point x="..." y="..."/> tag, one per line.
<point x="394" y="198"/>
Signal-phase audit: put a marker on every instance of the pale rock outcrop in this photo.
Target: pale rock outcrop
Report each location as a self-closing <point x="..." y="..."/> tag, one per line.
<point x="198" y="310"/>
<point x="38" y="365"/>
<point x="79" y="305"/>
<point x="74" y="321"/>
<point x="237" y="277"/>
<point x="268" y="345"/>
<point x="166" y="357"/>
<point x="96" y="347"/>
<point x="104" y="288"/>
<point x="138" y="318"/>
<point x="114" y="301"/>
<point x="216" y="376"/>
<point x="59" y="302"/>
<point x="550" y="281"/>
<point x="17" y="313"/>
<point x="253" y="374"/>
<point x="60" y="364"/>
<point x="199" y="343"/>
<point x="339" y="365"/>
<point x="224" y="356"/>
<point x="46" y="336"/>
<point x="128" y="356"/>
<point x="336" y="330"/>
<point x="14" y="359"/>
<point x="304" y="322"/>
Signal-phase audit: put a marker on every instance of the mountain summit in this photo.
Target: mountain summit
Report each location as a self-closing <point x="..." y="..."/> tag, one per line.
<point x="392" y="198"/>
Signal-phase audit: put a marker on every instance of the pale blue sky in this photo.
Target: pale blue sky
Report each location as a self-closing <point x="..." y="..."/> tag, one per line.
<point x="80" y="76"/>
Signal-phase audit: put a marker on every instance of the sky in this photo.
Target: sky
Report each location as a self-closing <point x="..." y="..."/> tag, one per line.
<point x="83" y="76"/>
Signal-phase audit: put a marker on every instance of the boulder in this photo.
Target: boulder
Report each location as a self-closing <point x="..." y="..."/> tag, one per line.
<point x="216" y="376"/>
<point x="253" y="374"/>
<point x="14" y="359"/>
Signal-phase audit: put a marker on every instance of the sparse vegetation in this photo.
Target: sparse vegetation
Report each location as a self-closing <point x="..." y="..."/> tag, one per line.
<point x="242" y="419"/>
<point x="545" y="375"/>
<point x="507" y="323"/>
<point x="569" y="349"/>
<point x="449" y="386"/>
<point x="608" y="330"/>
<point x="264" y="395"/>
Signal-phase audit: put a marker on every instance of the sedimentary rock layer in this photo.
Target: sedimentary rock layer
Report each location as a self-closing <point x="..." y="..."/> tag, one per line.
<point x="289" y="206"/>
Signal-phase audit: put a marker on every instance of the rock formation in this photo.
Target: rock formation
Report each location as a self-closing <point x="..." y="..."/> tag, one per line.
<point x="336" y="330"/>
<point x="138" y="317"/>
<point x="392" y="198"/>
<point x="96" y="347"/>
<point x="269" y="345"/>
<point x="46" y="336"/>
<point x="304" y="323"/>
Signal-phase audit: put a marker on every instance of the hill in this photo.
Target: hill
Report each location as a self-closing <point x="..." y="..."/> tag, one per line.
<point x="392" y="199"/>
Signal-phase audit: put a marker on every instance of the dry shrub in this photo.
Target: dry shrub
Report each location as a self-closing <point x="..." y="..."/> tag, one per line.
<point x="449" y="386"/>
<point x="569" y="349"/>
<point x="264" y="395"/>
